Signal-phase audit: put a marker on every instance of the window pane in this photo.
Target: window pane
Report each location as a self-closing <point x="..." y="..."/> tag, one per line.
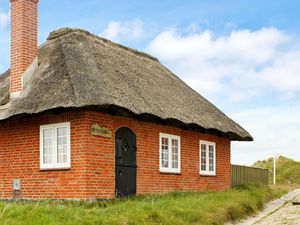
<point x="62" y="145"/>
<point x="47" y="146"/>
<point x="203" y="157"/>
<point x="164" y="152"/>
<point x="211" y="158"/>
<point x="174" y="153"/>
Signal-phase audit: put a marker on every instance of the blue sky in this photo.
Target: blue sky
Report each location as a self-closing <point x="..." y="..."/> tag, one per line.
<point x="241" y="55"/>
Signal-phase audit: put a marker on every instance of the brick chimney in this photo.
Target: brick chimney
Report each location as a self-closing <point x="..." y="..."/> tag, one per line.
<point x="24" y="44"/>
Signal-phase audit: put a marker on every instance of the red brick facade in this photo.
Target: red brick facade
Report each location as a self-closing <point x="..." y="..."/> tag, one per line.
<point x="92" y="173"/>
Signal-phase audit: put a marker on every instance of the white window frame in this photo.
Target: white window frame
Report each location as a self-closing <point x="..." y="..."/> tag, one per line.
<point x="169" y="169"/>
<point x="207" y="172"/>
<point x="55" y="165"/>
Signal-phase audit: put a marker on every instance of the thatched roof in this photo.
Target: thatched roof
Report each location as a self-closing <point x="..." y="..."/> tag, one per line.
<point x="77" y="69"/>
<point x="4" y="88"/>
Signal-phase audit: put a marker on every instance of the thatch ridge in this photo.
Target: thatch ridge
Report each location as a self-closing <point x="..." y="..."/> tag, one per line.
<point x="65" y="31"/>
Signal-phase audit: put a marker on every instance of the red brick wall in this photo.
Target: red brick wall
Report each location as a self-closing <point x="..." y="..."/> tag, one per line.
<point x="19" y="158"/>
<point x="24" y="45"/>
<point x="92" y="159"/>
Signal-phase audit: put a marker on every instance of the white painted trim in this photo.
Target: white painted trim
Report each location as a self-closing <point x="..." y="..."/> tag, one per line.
<point x="55" y="165"/>
<point x="207" y="172"/>
<point x="170" y="169"/>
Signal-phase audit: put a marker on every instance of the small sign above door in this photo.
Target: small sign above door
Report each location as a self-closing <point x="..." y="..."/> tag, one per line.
<point x="98" y="130"/>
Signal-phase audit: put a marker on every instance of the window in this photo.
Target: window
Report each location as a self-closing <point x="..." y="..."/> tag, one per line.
<point x="207" y="158"/>
<point x="169" y="153"/>
<point x="55" y="146"/>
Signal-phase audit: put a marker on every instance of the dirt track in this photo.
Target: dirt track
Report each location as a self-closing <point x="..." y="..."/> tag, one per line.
<point x="278" y="212"/>
<point x="287" y="214"/>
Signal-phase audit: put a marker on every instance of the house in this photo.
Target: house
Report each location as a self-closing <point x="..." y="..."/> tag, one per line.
<point x="82" y="117"/>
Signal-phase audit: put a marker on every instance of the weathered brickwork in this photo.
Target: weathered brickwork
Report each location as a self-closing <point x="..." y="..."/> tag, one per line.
<point x="24" y="44"/>
<point x="92" y="159"/>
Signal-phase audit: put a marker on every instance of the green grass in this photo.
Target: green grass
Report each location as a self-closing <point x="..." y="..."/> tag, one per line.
<point x="169" y="209"/>
<point x="287" y="170"/>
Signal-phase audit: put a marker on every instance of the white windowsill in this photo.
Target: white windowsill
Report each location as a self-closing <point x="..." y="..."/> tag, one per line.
<point x="212" y="174"/>
<point x="55" y="167"/>
<point x="170" y="171"/>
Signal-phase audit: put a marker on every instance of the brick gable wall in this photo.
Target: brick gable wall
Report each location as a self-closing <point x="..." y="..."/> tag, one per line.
<point x="92" y="159"/>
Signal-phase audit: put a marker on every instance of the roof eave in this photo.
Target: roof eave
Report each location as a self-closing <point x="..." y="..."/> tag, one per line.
<point x="120" y="111"/>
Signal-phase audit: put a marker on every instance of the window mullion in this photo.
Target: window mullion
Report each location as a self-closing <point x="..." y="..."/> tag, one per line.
<point x="42" y="149"/>
<point x="168" y="150"/>
<point x="215" y="160"/>
<point x="207" y="158"/>
<point x="55" y="146"/>
<point x="52" y="151"/>
<point x="170" y="153"/>
<point x="68" y="145"/>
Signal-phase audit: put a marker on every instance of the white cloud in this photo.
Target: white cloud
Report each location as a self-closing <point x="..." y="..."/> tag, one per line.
<point x="4" y="20"/>
<point x="284" y="74"/>
<point x="275" y="130"/>
<point x="124" y="31"/>
<point x="242" y="64"/>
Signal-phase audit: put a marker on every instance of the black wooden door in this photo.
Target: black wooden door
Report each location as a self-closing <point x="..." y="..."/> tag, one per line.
<point x="125" y="159"/>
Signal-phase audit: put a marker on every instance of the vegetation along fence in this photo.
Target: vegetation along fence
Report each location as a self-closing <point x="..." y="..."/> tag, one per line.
<point x="248" y="175"/>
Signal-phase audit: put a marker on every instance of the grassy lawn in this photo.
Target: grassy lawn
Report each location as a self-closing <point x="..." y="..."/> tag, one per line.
<point x="170" y="209"/>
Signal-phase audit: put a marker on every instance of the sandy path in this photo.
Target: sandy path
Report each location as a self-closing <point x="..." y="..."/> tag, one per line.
<point x="278" y="212"/>
<point x="287" y="214"/>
